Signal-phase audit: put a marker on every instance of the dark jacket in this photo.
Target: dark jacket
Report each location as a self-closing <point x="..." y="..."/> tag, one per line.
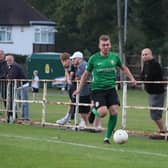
<point x="152" y="72"/>
<point x="3" y="69"/>
<point x="15" y="71"/>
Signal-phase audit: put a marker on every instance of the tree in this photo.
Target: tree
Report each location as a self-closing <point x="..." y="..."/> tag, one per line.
<point x="136" y="38"/>
<point x="152" y="23"/>
<point x="79" y="23"/>
<point x="96" y="18"/>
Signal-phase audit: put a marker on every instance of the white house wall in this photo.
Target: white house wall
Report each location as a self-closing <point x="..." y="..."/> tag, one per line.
<point x="22" y="41"/>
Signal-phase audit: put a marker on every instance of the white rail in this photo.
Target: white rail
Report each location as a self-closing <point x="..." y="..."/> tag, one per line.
<point x="44" y="101"/>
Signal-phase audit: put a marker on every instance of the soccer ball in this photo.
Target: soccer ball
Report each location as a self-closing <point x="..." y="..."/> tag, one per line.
<point x="120" y="136"/>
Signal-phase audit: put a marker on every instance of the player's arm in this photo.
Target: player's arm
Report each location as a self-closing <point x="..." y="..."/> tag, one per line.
<point x="82" y="81"/>
<point x="67" y="76"/>
<point x="127" y="72"/>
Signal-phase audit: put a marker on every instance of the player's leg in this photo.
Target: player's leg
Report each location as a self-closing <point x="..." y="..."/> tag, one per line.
<point x="113" y="104"/>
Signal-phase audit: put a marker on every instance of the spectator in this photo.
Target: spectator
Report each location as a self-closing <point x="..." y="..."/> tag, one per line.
<point x="84" y="97"/>
<point x="3" y="71"/>
<point x="102" y="65"/>
<point x="15" y="71"/>
<point x="152" y="72"/>
<point x="69" y="78"/>
<point x="35" y="85"/>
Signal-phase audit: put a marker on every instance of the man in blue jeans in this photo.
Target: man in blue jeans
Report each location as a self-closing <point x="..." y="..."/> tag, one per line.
<point x="15" y="71"/>
<point x="23" y="91"/>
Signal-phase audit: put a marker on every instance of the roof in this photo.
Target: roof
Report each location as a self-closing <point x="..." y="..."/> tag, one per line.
<point x="45" y="56"/>
<point x="19" y="12"/>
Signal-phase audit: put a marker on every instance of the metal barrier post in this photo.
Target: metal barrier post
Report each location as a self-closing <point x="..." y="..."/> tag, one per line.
<point x="14" y="102"/>
<point x="124" y="100"/>
<point x="7" y="100"/>
<point x="44" y="103"/>
<point x="166" y="118"/>
<point x="77" y="106"/>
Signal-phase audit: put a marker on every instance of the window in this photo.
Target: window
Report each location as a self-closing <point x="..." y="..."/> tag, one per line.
<point x="5" y="34"/>
<point x="44" y="35"/>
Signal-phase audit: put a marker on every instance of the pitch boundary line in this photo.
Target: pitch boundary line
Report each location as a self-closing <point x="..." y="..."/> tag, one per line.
<point x="56" y="140"/>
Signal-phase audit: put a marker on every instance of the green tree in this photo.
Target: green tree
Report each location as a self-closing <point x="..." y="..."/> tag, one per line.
<point x="153" y="23"/>
<point x="80" y="22"/>
<point x="136" y="39"/>
<point x="97" y="17"/>
<point x="68" y="35"/>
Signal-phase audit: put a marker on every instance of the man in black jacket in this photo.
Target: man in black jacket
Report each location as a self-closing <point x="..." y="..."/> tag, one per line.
<point x="3" y="65"/>
<point x="15" y="71"/>
<point x="152" y="72"/>
<point x="71" y="86"/>
<point x="3" y="71"/>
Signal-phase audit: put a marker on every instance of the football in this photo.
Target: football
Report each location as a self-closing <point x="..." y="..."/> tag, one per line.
<point x="120" y="136"/>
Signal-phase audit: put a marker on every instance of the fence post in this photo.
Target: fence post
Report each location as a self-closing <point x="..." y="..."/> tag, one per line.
<point x="7" y="100"/>
<point x="14" y="100"/>
<point x="166" y="118"/>
<point x="44" y="103"/>
<point x="77" y="105"/>
<point x="124" y="103"/>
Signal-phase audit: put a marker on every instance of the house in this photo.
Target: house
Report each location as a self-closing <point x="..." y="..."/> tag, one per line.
<point x="24" y="30"/>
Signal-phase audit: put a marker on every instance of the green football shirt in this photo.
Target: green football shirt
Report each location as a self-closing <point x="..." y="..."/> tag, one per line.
<point x="103" y="70"/>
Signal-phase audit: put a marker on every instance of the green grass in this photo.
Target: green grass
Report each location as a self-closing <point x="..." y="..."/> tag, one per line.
<point x="37" y="147"/>
<point x="26" y="146"/>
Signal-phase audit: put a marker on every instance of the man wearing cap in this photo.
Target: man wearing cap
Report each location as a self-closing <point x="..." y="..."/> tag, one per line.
<point x="84" y="95"/>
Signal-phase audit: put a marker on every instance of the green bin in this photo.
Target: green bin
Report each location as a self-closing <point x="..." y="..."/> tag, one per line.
<point x="47" y="64"/>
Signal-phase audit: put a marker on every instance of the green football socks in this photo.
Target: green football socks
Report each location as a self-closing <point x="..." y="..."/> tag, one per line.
<point x="95" y="112"/>
<point x="111" y="125"/>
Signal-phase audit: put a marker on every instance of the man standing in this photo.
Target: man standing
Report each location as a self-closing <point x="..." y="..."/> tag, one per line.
<point x="84" y="96"/>
<point x="102" y="65"/>
<point x="15" y="71"/>
<point x="3" y="70"/>
<point x="3" y="65"/>
<point x="152" y="72"/>
<point x="71" y="85"/>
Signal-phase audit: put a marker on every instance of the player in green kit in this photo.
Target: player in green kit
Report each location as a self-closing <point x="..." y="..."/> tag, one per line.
<point x="102" y="65"/>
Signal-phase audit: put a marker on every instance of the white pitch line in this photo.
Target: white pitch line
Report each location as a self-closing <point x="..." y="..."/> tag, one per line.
<point x="83" y="145"/>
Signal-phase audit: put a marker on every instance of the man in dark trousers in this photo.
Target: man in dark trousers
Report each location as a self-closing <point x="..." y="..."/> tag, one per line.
<point x="71" y="85"/>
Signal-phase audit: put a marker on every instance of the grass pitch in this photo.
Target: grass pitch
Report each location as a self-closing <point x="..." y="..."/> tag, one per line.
<point x="37" y="147"/>
<point x="27" y="146"/>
